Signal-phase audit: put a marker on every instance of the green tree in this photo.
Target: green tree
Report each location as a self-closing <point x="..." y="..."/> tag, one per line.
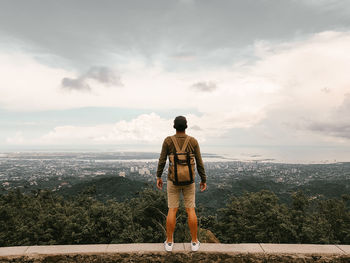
<point x="254" y="217"/>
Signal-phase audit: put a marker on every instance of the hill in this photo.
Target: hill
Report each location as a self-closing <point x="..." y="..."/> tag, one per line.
<point x="111" y="187"/>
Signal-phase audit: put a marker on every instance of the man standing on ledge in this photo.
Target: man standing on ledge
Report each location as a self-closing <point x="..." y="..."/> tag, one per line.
<point x="188" y="191"/>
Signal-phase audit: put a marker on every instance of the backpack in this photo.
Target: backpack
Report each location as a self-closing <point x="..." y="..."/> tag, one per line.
<point x="181" y="164"/>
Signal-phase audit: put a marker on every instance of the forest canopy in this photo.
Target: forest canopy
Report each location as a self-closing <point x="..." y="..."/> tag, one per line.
<point x="43" y="217"/>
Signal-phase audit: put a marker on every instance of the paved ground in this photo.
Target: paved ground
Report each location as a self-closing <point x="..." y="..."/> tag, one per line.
<point x="179" y="247"/>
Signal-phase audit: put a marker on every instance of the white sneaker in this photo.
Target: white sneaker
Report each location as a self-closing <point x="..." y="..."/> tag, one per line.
<point x="195" y="245"/>
<point x="168" y="246"/>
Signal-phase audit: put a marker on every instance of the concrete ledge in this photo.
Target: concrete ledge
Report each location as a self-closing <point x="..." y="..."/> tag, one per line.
<point x="301" y="249"/>
<point x="154" y="252"/>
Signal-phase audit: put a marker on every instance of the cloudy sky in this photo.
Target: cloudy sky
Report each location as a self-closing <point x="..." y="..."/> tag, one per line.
<point x="92" y="74"/>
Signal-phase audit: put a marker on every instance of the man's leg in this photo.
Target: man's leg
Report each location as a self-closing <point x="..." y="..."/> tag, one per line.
<point x="190" y="204"/>
<point x="170" y="224"/>
<point x="192" y="223"/>
<point x="173" y="194"/>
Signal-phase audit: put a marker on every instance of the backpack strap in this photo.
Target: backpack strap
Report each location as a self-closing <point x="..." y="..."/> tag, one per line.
<point x="185" y="143"/>
<point x="177" y="147"/>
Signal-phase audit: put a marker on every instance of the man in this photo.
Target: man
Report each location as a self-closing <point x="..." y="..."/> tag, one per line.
<point x="188" y="191"/>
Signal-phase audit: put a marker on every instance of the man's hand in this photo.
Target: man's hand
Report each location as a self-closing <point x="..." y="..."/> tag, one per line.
<point x="159" y="183"/>
<point x="203" y="186"/>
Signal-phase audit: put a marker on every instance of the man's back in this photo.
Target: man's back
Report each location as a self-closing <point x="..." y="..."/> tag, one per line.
<point x="169" y="147"/>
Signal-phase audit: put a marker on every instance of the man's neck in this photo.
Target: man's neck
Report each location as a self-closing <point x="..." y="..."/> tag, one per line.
<point x="180" y="133"/>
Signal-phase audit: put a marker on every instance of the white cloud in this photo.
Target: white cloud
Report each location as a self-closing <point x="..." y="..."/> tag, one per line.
<point x="146" y="87"/>
<point x="313" y="81"/>
<point x="139" y="130"/>
<point x="16" y="139"/>
<point x="146" y="128"/>
<point x="285" y="86"/>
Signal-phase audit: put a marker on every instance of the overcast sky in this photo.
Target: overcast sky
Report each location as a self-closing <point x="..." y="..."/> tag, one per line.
<point x="95" y="73"/>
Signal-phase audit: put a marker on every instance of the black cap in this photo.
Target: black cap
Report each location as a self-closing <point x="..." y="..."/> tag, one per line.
<point x="180" y="123"/>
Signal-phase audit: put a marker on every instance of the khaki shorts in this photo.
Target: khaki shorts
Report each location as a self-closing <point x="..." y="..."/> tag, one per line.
<point x="173" y="192"/>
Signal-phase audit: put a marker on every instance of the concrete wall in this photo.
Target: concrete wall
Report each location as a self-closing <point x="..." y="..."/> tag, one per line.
<point x="181" y="253"/>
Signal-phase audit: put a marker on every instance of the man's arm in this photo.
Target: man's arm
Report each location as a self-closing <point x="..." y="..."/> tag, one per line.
<point x="199" y="162"/>
<point x="162" y="159"/>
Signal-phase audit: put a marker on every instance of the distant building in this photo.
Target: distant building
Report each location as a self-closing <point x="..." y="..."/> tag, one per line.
<point x="122" y="174"/>
<point x="144" y="171"/>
